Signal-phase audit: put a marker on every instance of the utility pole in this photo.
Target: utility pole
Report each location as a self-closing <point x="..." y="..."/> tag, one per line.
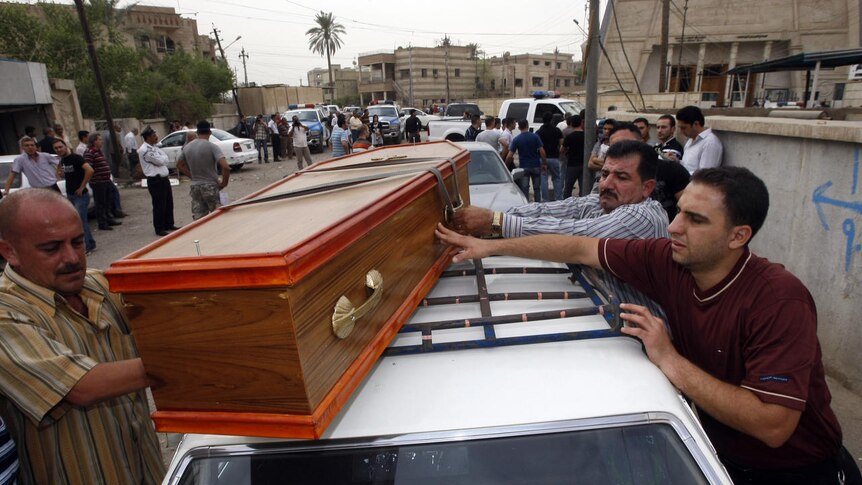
<point x="233" y="88"/>
<point x="244" y="56"/>
<point x="592" y="96"/>
<point x="554" y="69"/>
<point x="662" y="53"/>
<point x="116" y="153"/>
<point x="446" y="43"/>
<point x="411" y="75"/>
<point x="679" y="57"/>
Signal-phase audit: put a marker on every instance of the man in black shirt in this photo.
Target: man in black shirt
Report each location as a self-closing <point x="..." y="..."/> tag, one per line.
<point x="573" y="147"/>
<point x="77" y="173"/>
<point x="667" y="143"/>
<point x="412" y="127"/>
<point x="552" y="139"/>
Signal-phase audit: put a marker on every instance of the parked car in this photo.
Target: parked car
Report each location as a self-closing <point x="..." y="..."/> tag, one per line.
<point x="492" y="186"/>
<point x="237" y="151"/>
<point x="388" y="115"/>
<point x="560" y="399"/>
<point x="424" y="118"/>
<point x="315" y="120"/>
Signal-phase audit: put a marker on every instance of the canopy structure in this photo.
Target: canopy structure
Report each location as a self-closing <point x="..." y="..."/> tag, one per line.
<point x="805" y="61"/>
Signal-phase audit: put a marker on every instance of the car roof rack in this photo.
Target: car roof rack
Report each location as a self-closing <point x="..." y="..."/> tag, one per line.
<point x="603" y="304"/>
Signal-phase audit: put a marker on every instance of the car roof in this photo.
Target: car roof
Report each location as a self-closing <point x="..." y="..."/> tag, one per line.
<point x="476" y="146"/>
<point x="505" y="385"/>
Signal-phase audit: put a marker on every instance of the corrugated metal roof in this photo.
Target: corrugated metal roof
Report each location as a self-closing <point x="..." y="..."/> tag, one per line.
<point x="804" y="61"/>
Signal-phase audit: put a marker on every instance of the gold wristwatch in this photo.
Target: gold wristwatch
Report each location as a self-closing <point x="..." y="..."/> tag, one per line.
<point x="497" y="225"/>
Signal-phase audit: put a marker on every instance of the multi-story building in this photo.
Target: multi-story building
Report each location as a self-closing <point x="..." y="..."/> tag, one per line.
<point x="708" y="37"/>
<point x="346" y="82"/>
<point x="163" y="31"/>
<point x="515" y="76"/>
<point x="419" y="76"/>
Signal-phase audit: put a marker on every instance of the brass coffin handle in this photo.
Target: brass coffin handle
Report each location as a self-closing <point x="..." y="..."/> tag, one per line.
<point x="345" y="315"/>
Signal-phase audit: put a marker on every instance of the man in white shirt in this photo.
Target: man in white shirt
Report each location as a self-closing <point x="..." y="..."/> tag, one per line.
<point x="299" y="133"/>
<point x="274" y="137"/>
<point x="154" y="163"/>
<point x="130" y="146"/>
<point x="703" y="149"/>
<point x="506" y="138"/>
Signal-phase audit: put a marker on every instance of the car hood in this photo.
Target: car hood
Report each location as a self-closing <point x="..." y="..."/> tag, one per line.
<point x="497" y="197"/>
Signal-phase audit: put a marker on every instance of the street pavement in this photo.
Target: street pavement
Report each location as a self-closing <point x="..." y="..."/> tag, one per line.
<point x="137" y="231"/>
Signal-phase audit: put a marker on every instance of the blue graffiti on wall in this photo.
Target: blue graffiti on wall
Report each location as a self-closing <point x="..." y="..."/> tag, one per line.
<point x="848" y="227"/>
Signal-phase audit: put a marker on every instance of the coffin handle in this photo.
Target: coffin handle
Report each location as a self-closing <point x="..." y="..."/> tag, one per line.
<point x="345" y="315"/>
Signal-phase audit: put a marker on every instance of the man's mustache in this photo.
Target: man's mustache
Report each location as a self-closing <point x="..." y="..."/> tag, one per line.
<point x="609" y="192"/>
<point x="70" y="268"/>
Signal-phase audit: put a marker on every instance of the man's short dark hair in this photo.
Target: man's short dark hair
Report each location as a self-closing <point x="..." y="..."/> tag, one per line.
<point x="625" y="125"/>
<point x="669" y="118"/>
<point x="648" y="163"/>
<point x="641" y="120"/>
<point x="745" y="194"/>
<point x="489" y="121"/>
<point x="148" y="131"/>
<point x="610" y="121"/>
<point x="83" y="134"/>
<point x="547" y="117"/>
<point x="474" y="118"/>
<point x="523" y="124"/>
<point x="690" y="114"/>
<point x="575" y="121"/>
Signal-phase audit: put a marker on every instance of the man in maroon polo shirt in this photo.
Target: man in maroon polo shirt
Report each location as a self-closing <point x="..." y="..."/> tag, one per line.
<point x="744" y="347"/>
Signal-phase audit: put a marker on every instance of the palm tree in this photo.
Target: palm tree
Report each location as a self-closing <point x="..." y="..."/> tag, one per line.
<point x="324" y="39"/>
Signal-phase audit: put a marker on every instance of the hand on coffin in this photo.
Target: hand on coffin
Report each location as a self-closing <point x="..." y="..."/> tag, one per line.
<point x="473" y="220"/>
<point x="471" y="247"/>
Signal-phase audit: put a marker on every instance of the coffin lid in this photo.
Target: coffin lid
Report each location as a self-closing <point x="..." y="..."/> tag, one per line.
<point x="277" y="242"/>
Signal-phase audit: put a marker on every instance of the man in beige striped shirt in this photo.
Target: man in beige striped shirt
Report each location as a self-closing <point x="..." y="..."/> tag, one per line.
<point x="71" y="384"/>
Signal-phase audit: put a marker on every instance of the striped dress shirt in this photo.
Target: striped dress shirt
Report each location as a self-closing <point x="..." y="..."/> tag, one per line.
<point x="45" y="349"/>
<point x="583" y="216"/>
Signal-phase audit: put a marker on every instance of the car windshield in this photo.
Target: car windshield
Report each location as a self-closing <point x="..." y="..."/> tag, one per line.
<point x="486" y="167"/>
<point x="644" y="454"/>
<point x="381" y="111"/>
<point x="5" y="170"/>
<point x="303" y="115"/>
<point x="460" y="109"/>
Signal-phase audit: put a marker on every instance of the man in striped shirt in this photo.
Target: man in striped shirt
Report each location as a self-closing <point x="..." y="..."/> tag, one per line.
<point x="71" y="383"/>
<point x="621" y="209"/>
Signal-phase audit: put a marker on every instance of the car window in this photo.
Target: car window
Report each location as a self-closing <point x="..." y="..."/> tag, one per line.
<point x="486" y="167"/>
<point x="303" y="115"/>
<point x="517" y="111"/>
<point x="645" y="454"/>
<point x="5" y="170"/>
<point x="222" y="135"/>
<point x="387" y="111"/>
<point x="174" y="139"/>
<point x="542" y="108"/>
<point x="571" y="107"/>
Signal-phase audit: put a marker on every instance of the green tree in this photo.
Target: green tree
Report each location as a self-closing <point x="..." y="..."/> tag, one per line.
<point x="325" y="38"/>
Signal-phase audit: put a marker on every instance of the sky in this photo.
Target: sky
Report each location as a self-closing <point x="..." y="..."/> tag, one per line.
<point x="273" y="31"/>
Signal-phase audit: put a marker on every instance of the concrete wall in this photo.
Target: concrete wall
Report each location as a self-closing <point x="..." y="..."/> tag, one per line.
<point x="275" y="99"/>
<point x="814" y="226"/>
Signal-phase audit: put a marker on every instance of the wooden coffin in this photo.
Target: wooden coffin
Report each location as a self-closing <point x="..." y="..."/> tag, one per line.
<point x="233" y="314"/>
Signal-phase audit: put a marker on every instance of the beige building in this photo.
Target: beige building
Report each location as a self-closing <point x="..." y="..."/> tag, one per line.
<point x="516" y="76"/>
<point x="162" y="31"/>
<point x="723" y="34"/>
<point x="419" y="76"/>
<point x="346" y="82"/>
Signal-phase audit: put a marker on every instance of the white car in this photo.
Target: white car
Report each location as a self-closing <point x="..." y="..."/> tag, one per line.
<point x="237" y="151"/>
<point x="424" y="118"/>
<point x="495" y="379"/>
<point x="492" y="186"/>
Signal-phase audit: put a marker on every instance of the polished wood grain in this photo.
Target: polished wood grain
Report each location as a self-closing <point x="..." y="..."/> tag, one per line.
<point x="255" y="354"/>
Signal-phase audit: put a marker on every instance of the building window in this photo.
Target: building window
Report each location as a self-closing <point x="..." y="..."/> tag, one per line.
<point x="493" y="84"/>
<point x="547" y="63"/>
<point x="519" y="83"/>
<point x="457" y="72"/>
<point x="535" y="63"/>
<point x="424" y="72"/>
<point x="434" y="72"/>
<point x="559" y="65"/>
<point x="556" y="83"/>
<point x="144" y="41"/>
<point x="838" y="94"/>
<point x="404" y="73"/>
<point x="538" y="81"/>
<point x="165" y="44"/>
<point x="567" y="83"/>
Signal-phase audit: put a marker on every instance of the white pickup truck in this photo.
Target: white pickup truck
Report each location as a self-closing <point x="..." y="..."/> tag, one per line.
<point x="533" y="109"/>
<point x="505" y="374"/>
<point x="452" y="124"/>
